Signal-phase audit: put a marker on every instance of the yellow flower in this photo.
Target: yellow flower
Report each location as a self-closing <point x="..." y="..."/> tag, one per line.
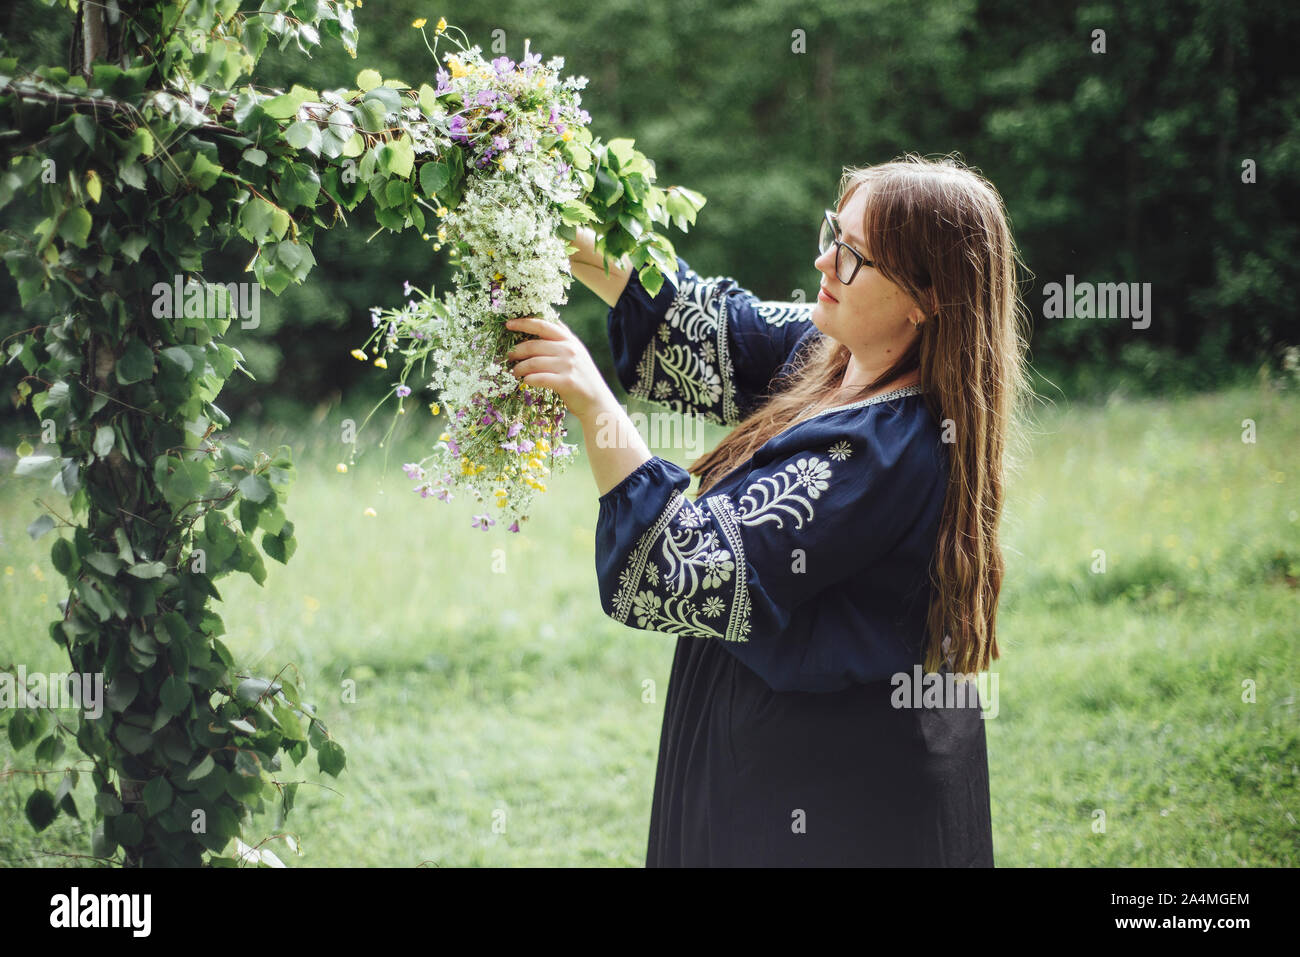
<point x="441" y="211"/>
<point x="358" y="354"/>
<point x="442" y="233"/>
<point x="541" y="83"/>
<point x="437" y="246"/>
<point x="340" y="467"/>
<point x="418" y="24"/>
<point x="381" y="362"/>
<point x="457" y="68"/>
<point x="543" y="446"/>
<point x="370" y="512"/>
<point x="442" y="25"/>
<point x="433" y="408"/>
<point x="566" y="135"/>
<point x="444" y="437"/>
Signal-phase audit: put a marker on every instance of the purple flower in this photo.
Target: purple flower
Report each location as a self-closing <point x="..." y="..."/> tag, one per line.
<point x="374" y="316"/>
<point x="457" y="129"/>
<point x="445" y="495"/>
<point x="453" y="447"/>
<point x="498" y="115"/>
<point x="500" y="143"/>
<point x="444" y="81"/>
<point x="555" y="115"/>
<point x="559" y="127"/>
<point x="413" y="470"/>
<point x="407" y="288"/>
<point x="514" y="430"/>
<point x="503" y="64"/>
<point x="424" y="491"/>
<point x="514" y="526"/>
<point x="583" y="117"/>
<point x="486" y="97"/>
<point x="526" y="445"/>
<point x="403" y="391"/>
<point x="531" y="62"/>
<point x="510" y="446"/>
<point x="562" y="169"/>
<point x="481" y="521"/>
<point x="528" y="145"/>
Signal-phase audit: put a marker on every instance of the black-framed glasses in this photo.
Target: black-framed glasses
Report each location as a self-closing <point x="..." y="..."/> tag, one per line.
<point x="846" y="267"/>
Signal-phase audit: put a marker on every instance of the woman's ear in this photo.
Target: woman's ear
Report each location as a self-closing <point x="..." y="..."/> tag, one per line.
<point x="927" y="308"/>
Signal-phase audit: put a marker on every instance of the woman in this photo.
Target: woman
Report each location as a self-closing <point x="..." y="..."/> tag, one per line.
<point x="845" y="531"/>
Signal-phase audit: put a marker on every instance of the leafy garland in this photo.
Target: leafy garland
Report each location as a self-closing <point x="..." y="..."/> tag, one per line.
<point x="141" y="167"/>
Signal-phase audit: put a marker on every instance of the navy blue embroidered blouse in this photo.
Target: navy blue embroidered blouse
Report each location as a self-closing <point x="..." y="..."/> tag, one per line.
<point x="810" y="562"/>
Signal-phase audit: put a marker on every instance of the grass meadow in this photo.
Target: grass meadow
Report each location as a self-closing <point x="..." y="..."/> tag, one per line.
<point x="500" y="719"/>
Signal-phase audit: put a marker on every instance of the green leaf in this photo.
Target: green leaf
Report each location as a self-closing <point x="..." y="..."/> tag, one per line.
<point x="202" y="769"/>
<point x="433" y="177"/>
<point x="428" y="99"/>
<point x="148" y="570"/>
<point x="121" y="691"/>
<point x="134" y="740"/>
<point x="104" y="563"/>
<point x="136" y="363"/>
<point x="75" y="226"/>
<point x="85" y="128"/>
<point x="371" y="115"/>
<point x="304" y="135"/>
<point x="40" y="525"/>
<point x="255" y="156"/>
<point x="175" y="694"/>
<point x="286" y="104"/>
<point x="204" y="173"/>
<point x="39" y="466"/>
<point x="257" y="218"/>
<point x="331" y="758"/>
<point x="368" y="79"/>
<point x="104" y="439"/>
<point x="157" y="796"/>
<point x="21" y="730"/>
<point x="297" y="186"/>
<point x="397" y="157"/>
<point x="61" y="556"/>
<point x="251" y="689"/>
<point x="179" y="357"/>
<point x="40" y="809"/>
<point x="132" y="246"/>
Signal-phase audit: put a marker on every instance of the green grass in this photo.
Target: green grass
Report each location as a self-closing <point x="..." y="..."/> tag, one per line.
<point x="479" y="691"/>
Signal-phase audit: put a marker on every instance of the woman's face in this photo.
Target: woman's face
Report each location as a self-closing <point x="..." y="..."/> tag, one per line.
<point x="871" y="315"/>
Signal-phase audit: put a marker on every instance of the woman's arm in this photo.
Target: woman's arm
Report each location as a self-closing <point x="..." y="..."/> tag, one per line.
<point x="588" y="268"/>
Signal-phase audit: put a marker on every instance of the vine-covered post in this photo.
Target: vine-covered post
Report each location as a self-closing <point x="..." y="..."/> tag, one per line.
<point x="143" y="162"/>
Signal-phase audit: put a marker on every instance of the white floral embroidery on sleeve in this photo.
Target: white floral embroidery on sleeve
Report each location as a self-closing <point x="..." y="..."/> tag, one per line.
<point x="693" y="572"/>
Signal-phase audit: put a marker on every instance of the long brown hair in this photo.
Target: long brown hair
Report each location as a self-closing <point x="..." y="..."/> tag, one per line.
<point x="939" y="230"/>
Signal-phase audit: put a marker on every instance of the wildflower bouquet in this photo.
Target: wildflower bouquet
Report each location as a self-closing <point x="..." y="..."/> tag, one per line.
<point x="512" y="171"/>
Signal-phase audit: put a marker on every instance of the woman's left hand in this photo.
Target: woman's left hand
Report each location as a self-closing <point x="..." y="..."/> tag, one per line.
<point x="558" y="360"/>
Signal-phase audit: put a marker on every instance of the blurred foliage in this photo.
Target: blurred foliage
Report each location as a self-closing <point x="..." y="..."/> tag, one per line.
<point x="1122" y="166"/>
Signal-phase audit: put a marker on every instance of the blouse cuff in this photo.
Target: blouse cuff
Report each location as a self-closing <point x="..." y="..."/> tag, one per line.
<point x="654" y="472"/>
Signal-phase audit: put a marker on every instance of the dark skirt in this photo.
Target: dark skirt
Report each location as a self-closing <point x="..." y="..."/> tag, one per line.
<point x="751" y="777"/>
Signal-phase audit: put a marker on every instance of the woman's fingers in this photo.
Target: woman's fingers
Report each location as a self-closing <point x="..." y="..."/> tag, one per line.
<point x="551" y="364"/>
<point x="538" y="327"/>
